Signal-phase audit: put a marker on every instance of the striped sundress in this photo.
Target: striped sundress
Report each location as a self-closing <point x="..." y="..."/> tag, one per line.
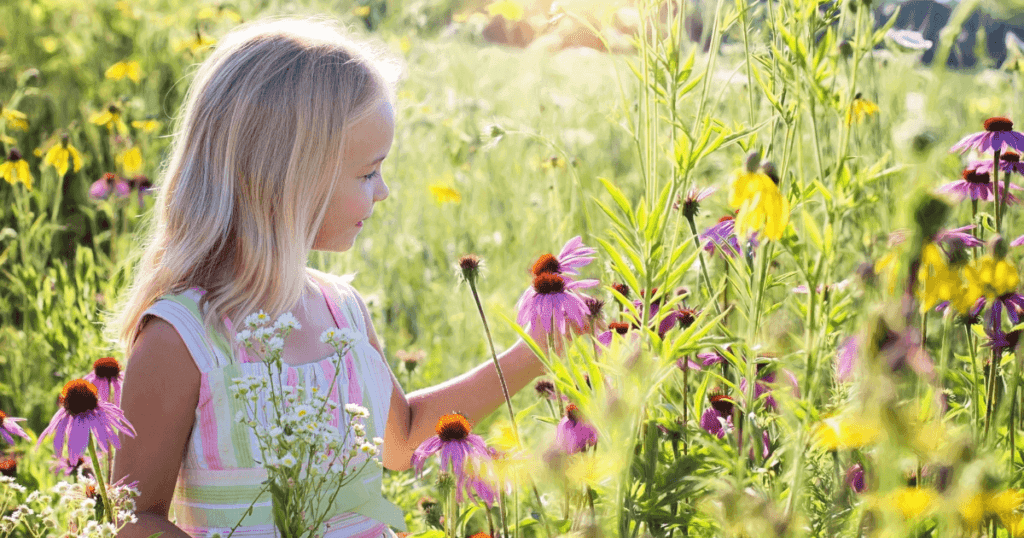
<point x="220" y="474"/>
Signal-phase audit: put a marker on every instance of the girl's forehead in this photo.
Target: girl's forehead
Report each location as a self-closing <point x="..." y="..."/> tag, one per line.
<point x="370" y="138"/>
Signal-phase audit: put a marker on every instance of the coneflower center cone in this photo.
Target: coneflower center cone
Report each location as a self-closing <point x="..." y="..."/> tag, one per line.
<point x="2" y="416"/>
<point x="971" y="176"/>
<point x="79" y="396"/>
<point x="14" y="155"/>
<point x="1010" y="157"/>
<point x="573" y="413"/>
<point x="107" y="368"/>
<point x="8" y="467"/>
<point x="998" y="124"/>
<point x="545" y="264"/>
<point x="452" y="427"/>
<point x="722" y="403"/>
<point x="548" y="283"/>
<point x="621" y="328"/>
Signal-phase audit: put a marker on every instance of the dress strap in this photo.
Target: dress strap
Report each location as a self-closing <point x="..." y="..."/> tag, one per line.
<point x="209" y="349"/>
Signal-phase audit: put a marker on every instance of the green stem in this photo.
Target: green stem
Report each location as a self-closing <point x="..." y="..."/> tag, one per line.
<point x="976" y="397"/>
<point x="100" y="481"/>
<point x="494" y="356"/>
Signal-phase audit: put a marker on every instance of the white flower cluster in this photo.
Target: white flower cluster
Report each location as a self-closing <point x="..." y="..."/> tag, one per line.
<point x="340" y="338"/>
<point x="267" y="338"/>
<point x="72" y="509"/>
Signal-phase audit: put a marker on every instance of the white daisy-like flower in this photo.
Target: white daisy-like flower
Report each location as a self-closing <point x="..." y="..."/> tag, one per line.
<point x="304" y="410"/>
<point x="276" y="343"/>
<point x="288" y="460"/>
<point x="356" y="410"/>
<point x="328" y="335"/>
<point x="243" y="336"/>
<point x="258" y="319"/>
<point x="263" y="333"/>
<point x="287" y="321"/>
<point x="378" y="441"/>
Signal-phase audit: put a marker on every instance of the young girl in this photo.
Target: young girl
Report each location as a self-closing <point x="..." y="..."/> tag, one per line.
<point x="278" y="152"/>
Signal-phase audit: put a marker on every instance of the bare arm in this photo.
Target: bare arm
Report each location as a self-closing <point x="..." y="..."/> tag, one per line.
<point x="475" y="394"/>
<point x="161" y="392"/>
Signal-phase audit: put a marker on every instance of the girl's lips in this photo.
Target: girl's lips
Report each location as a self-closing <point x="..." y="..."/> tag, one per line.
<point x="359" y="224"/>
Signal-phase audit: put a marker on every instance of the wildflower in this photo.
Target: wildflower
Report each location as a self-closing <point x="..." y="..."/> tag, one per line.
<point x="124" y="69"/>
<point x="59" y="155"/>
<point x="131" y="161"/>
<point x="14" y="118"/>
<point x="16" y="169"/>
<point x="855" y="478"/>
<point x="691" y="203"/>
<point x="912" y="502"/>
<point x="859" y="109"/>
<point x="761" y="205"/>
<point x="551" y="301"/>
<point x="614" y="327"/>
<point x="545" y="389"/>
<point x="717" y="419"/>
<point x="847" y="358"/>
<point x="998" y="134"/>
<point x="111" y="119"/>
<point x="196" y="44"/>
<point x="9" y="426"/>
<point x="572" y="257"/>
<point x="411" y="359"/>
<point x="574" y="434"/>
<point x="846" y="433"/>
<point x="996" y="277"/>
<point x="454" y="442"/>
<point x="443" y="193"/>
<point x="594" y="308"/>
<point x="510" y="10"/>
<point x="976" y="185"/>
<point x="146" y="126"/>
<point x="720" y="238"/>
<point x="106" y="376"/>
<point x="1009" y="162"/>
<point x="469" y="265"/>
<point x="142" y="185"/>
<point x="102" y="187"/>
<point x="81" y="412"/>
<point x="765" y="379"/>
<point x="8" y="467"/>
<point x="957" y="237"/>
<point x="68" y="467"/>
<point x="623" y="289"/>
<point x="909" y="39"/>
<point x="552" y="162"/>
<point x="474" y="485"/>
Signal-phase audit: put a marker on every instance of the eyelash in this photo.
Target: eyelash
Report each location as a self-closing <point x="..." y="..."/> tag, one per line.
<point x="370" y="176"/>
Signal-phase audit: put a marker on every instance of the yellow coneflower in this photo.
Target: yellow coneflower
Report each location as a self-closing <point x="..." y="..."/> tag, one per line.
<point x="111" y="118"/>
<point x="60" y="154"/>
<point x="14" y="119"/>
<point x="913" y="502"/>
<point x="996" y="277"/>
<point x="214" y="13"/>
<point x="124" y="69"/>
<point x="443" y="193"/>
<point x="361" y="11"/>
<point x="16" y="169"/>
<point x="859" y="109"/>
<point x="846" y="433"/>
<point x="8" y="140"/>
<point x="196" y="44"/>
<point x="511" y="10"/>
<point x="131" y="161"/>
<point x="146" y="126"/>
<point x="761" y="205"/>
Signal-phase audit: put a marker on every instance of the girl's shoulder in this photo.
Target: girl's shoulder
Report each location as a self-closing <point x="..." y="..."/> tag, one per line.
<point x="341" y="284"/>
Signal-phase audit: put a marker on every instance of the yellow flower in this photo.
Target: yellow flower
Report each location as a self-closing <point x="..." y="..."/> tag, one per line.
<point x="146" y="126"/>
<point x="131" y="161"/>
<point x="842" y="433"/>
<point x="509" y="9"/>
<point x="443" y="193"/>
<point x="552" y="162"/>
<point x="8" y="140"/>
<point x="937" y="282"/>
<point x="16" y="169"/>
<point x="15" y="119"/>
<point x="761" y="205"/>
<point x="913" y="502"/>
<point x="196" y="44"/>
<point x="60" y="154"/>
<point x="859" y="109"/>
<point x="1003" y="504"/>
<point x="124" y="69"/>
<point x="361" y="11"/>
<point x="996" y="277"/>
<point x="111" y="118"/>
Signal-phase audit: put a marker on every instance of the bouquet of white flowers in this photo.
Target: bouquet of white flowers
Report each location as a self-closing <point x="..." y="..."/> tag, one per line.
<point x="302" y="452"/>
<point x="78" y="513"/>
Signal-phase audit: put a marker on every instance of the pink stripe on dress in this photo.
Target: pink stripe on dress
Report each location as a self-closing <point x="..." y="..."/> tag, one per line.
<point x="355" y="392"/>
<point x="329" y="374"/>
<point x="208" y="425"/>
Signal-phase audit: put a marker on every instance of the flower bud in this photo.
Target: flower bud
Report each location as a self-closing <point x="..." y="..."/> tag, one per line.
<point x="753" y="161"/>
<point x="470" y="267"/>
<point x="997" y="247"/>
<point x="930" y="214"/>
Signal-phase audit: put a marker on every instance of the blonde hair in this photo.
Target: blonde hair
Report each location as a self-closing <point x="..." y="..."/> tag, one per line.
<point x="253" y="160"/>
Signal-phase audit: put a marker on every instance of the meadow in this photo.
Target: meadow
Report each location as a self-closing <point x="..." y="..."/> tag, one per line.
<point x="855" y="342"/>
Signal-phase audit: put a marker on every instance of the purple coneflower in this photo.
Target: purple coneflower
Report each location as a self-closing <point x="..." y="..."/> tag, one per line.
<point x="1009" y="161"/>
<point x="8" y="467"/>
<point x="998" y="134"/>
<point x="106" y="376"/>
<point x="574" y="434"/>
<point x="573" y="256"/>
<point x="470" y="485"/>
<point x="717" y="419"/>
<point x="102" y="187"/>
<point x="551" y="300"/>
<point x="855" y="478"/>
<point x="950" y="238"/>
<point x="614" y="327"/>
<point x="455" y="444"/>
<point x="762" y="387"/>
<point x="66" y="466"/>
<point x="976" y="184"/>
<point x="9" y="426"/>
<point x="691" y="203"/>
<point x="1002" y="341"/>
<point x="846" y="358"/>
<point x="721" y="237"/>
<point x="82" y="412"/>
<point x="1012" y="303"/>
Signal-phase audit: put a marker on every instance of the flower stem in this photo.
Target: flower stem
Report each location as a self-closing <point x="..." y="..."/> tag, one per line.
<point x="494" y="357"/>
<point x="976" y="398"/>
<point x="108" y="508"/>
<point x="995" y="182"/>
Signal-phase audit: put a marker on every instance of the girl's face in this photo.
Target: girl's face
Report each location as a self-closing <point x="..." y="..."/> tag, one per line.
<point x="361" y="184"/>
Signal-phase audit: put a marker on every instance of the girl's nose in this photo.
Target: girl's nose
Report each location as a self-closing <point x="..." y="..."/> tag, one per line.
<point x="382" y="191"/>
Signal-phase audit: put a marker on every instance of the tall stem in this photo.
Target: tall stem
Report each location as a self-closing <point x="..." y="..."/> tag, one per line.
<point x="108" y="509"/>
<point x="494" y="357"/>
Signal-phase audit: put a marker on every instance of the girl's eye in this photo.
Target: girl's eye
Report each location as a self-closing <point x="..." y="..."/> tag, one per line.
<point x="370" y="176"/>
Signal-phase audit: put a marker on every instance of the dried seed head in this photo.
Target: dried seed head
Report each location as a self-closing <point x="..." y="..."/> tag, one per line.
<point x="469" y="265"/>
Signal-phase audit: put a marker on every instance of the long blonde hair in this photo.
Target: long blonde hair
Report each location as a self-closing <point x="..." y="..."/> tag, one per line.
<point x="253" y="160"/>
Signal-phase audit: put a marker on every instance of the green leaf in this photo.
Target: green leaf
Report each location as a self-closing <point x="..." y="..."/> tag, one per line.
<point x="812" y="230"/>
<point x="620" y="200"/>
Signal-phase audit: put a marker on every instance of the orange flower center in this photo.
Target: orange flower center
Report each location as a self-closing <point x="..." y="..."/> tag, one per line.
<point x="573" y="413"/>
<point x="469" y="262"/>
<point x="725" y="218"/>
<point x="545" y="264"/>
<point x="622" y="289"/>
<point x="722" y="403"/>
<point x="107" y="368"/>
<point x="548" y="283"/>
<point x="8" y="467"/>
<point x="452" y="427"/>
<point x="79" y="396"/>
<point x="998" y="124"/>
<point x="620" y="328"/>
<point x="1011" y="157"/>
<point x="2" y="416"/>
<point x="973" y="177"/>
